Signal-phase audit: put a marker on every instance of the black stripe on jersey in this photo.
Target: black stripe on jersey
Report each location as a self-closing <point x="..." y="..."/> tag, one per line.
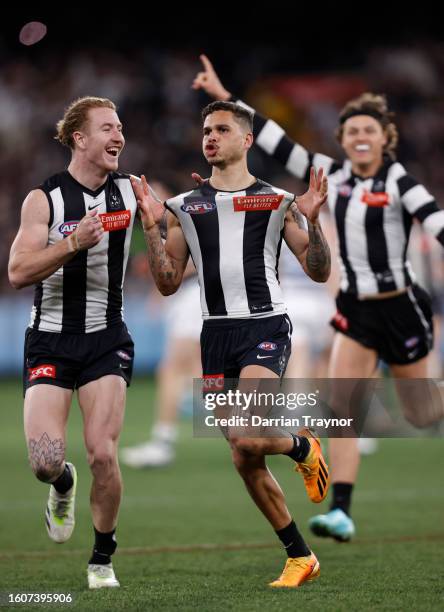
<point x="440" y="237"/>
<point x="377" y="250"/>
<point x="428" y="209"/>
<point x="283" y="150"/>
<point x="405" y="183"/>
<point x="255" y="230"/>
<point x="207" y="229"/>
<point x="278" y="255"/>
<point x="407" y="223"/>
<point x="340" y="212"/>
<point x="258" y="124"/>
<point x="74" y="271"/>
<point x="116" y="254"/>
<point x="306" y="177"/>
<point x="51" y="210"/>
<point x="38" y="296"/>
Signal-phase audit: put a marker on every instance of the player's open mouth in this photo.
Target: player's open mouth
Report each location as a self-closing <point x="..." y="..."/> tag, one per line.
<point x="114" y="151"/>
<point x="362" y="148"/>
<point x="211" y="149"/>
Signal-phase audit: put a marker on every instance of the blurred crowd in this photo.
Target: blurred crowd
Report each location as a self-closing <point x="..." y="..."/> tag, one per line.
<point x="160" y="113"/>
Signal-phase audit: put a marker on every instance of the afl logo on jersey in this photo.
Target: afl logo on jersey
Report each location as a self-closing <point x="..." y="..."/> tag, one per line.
<point x="68" y="227"/>
<point x="198" y="208"/>
<point x="267" y="346"/>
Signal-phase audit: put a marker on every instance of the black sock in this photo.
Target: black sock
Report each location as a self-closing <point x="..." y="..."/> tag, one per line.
<point x="342" y="492"/>
<point x="64" y="482"/>
<point x="301" y="447"/>
<point x="104" y="546"/>
<point x="293" y="541"/>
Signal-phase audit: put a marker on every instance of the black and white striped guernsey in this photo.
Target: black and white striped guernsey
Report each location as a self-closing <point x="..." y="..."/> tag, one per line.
<point x="234" y="239"/>
<point x="373" y="215"/>
<point x="85" y="295"/>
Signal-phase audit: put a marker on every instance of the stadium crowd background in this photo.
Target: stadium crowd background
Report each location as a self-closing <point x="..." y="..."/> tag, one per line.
<point x="150" y="84"/>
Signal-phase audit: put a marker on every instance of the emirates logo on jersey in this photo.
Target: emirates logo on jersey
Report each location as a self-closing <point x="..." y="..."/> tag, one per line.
<point x="68" y="227"/>
<point x="114" y="221"/>
<point x="257" y="202"/>
<point x="198" y="208"/>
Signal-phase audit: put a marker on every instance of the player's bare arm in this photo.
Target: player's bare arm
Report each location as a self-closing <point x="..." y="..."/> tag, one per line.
<point x="209" y="81"/>
<point x="31" y="260"/>
<point x="167" y="261"/>
<point x="310" y="248"/>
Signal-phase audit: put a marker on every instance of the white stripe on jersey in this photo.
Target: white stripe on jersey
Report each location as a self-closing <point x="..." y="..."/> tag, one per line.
<point x="52" y="287"/>
<point x="269" y="137"/>
<point x="231" y="255"/>
<point x="298" y="161"/>
<point x="193" y="243"/>
<point x="416" y="197"/>
<point x="97" y="271"/>
<point x="127" y="192"/>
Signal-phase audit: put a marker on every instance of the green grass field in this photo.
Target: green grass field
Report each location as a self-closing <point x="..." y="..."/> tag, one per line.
<point x="190" y="538"/>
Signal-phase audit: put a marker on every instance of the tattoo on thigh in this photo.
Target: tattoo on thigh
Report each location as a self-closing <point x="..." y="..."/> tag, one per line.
<point x="46" y="452"/>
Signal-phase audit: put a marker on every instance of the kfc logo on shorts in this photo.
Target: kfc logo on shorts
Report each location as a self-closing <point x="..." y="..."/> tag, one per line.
<point x="198" y="208"/>
<point x="267" y="346"/>
<point x="340" y="321"/>
<point x="213" y="382"/>
<point x="68" y="227"/>
<point x="124" y="355"/>
<point x="42" y="371"/>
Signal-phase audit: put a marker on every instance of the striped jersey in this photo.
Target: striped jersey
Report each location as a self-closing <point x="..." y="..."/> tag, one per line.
<point x="85" y="294"/>
<point x="234" y="239"/>
<point x="373" y="215"/>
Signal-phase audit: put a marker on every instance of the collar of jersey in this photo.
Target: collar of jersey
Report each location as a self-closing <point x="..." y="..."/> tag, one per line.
<point x="381" y="173"/>
<point x="94" y="193"/>
<point x="207" y="185"/>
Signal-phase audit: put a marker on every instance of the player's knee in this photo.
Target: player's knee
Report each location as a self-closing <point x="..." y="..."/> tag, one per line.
<point x="47" y="472"/>
<point x="249" y="446"/>
<point x="102" y="459"/>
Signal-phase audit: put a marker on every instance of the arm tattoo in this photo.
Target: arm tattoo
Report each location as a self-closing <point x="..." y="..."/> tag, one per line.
<point x="163" y="225"/>
<point x="318" y="254"/>
<point x="46" y="456"/>
<point x="162" y="266"/>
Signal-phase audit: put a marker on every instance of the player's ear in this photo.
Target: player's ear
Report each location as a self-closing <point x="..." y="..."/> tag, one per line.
<point x="79" y="139"/>
<point x="248" y="140"/>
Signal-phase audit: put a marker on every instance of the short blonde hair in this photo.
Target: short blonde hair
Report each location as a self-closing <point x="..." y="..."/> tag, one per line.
<point x="76" y="115"/>
<point x="376" y="106"/>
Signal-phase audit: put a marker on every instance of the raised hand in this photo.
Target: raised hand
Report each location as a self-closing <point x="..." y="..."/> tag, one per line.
<point x="208" y="80"/>
<point x="309" y="203"/>
<point x="150" y="207"/>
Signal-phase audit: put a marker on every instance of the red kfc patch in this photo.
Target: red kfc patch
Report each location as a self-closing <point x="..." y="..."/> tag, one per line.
<point x="42" y="371"/>
<point x="213" y="382"/>
<point x="115" y="220"/>
<point x="340" y="321"/>
<point x="257" y="202"/>
<point x="377" y="200"/>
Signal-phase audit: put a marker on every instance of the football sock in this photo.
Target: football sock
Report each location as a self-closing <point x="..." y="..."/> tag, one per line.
<point x="64" y="482"/>
<point x="293" y="541"/>
<point x="342" y="492"/>
<point x="104" y="546"/>
<point x="301" y="447"/>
